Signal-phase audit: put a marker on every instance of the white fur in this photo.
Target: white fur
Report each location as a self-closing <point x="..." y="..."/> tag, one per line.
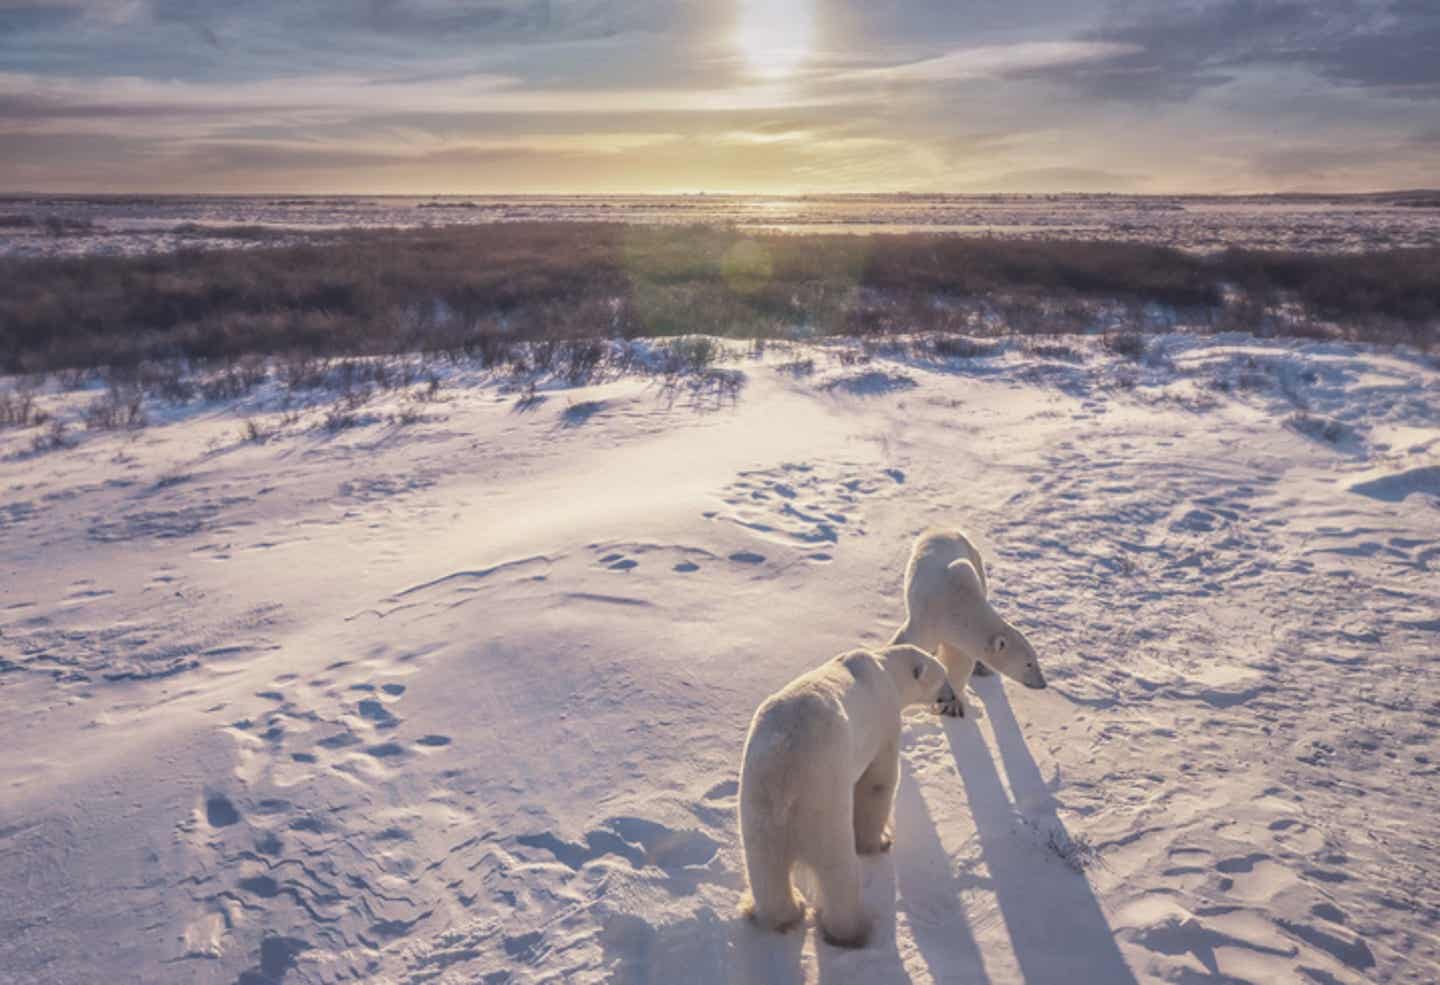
<point x="948" y="613"/>
<point x="817" y="782"/>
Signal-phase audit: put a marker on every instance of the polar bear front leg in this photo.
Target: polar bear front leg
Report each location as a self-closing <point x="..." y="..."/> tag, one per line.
<point x="874" y="796"/>
<point x="951" y="701"/>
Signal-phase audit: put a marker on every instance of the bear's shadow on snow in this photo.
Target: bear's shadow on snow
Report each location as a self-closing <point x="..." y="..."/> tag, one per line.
<point x="937" y="921"/>
<point x="706" y="949"/>
<point x="1055" y="922"/>
<point x="879" y="961"/>
<point x="724" y="948"/>
<point x="713" y="948"/>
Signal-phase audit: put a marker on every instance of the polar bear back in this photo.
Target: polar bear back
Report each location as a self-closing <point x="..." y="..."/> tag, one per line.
<point x="935" y="551"/>
<point x="837" y="716"/>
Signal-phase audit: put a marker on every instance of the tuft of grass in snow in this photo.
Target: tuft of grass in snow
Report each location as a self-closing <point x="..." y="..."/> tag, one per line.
<point x="962" y="347"/>
<point x="344" y="413"/>
<point x="691" y="354"/>
<point x="53" y="438"/>
<point x="1050" y="350"/>
<point x="257" y="433"/>
<point x="234" y="380"/>
<point x="870" y="382"/>
<point x="1078" y="852"/>
<point x="1130" y="345"/>
<point x="797" y="367"/>
<point x="121" y="407"/>
<point x="708" y="389"/>
<point x="18" y="409"/>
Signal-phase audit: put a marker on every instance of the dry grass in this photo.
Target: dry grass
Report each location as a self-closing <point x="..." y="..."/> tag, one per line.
<point x="122" y="407"/>
<point x="477" y="290"/>
<point x="18" y="410"/>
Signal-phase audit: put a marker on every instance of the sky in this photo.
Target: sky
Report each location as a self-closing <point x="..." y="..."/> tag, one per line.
<point x="745" y="96"/>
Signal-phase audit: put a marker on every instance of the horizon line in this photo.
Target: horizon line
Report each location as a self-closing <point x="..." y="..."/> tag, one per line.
<point x="707" y="193"/>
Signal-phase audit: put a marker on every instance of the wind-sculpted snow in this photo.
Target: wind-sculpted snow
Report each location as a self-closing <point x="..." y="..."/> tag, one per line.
<point x="461" y="699"/>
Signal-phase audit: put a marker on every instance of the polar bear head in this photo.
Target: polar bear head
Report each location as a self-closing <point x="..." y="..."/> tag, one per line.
<point x="967" y="622"/>
<point x="917" y="675"/>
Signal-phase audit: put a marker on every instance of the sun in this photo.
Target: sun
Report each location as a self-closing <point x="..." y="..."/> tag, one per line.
<point x="775" y="36"/>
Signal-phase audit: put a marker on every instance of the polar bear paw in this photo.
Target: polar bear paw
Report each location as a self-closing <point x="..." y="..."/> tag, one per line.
<point x="952" y="705"/>
<point x="786" y="919"/>
<point x="878" y="846"/>
<point x="850" y="938"/>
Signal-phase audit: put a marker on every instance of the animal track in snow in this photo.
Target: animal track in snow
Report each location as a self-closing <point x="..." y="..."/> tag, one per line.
<point x="804" y="505"/>
<point x="639" y="841"/>
<point x="628" y="556"/>
<point x="309" y="844"/>
<point x="605" y="871"/>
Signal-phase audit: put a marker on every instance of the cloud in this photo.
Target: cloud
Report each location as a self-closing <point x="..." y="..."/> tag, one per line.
<point x="1396" y="51"/>
<point x="102" y="12"/>
<point x="537" y="164"/>
<point x="1179" y="50"/>
<point x="1022" y="95"/>
<point x="1176" y="51"/>
<point x="994" y="61"/>
<point x="28" y="97"/>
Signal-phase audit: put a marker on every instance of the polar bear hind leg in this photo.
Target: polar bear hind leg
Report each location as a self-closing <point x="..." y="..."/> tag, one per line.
<point x="874" y="796"/>
<point x="769" y="862"/>
<point x="771" y="901"/>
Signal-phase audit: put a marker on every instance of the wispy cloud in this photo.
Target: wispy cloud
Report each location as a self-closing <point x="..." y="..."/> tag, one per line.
<point x="994" y="61"/>
<point x="1181" y="49"/>
<point x="606" y="94"/>
<point x="26" y="100"/>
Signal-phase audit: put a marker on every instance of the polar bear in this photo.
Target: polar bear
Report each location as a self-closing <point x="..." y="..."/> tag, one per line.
<point x="817" y="781"/>
<point x="948" y="613"/>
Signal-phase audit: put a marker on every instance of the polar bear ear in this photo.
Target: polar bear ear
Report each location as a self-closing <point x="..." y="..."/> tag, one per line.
<point x="964" y="577"/>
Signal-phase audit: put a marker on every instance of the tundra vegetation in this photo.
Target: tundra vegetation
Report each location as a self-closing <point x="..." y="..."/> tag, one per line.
<point x="479" y="290"/>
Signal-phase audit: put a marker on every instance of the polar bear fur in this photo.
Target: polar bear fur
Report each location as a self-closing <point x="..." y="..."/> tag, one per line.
<point x="948" y="613"/>
<point x="817" y="781"/>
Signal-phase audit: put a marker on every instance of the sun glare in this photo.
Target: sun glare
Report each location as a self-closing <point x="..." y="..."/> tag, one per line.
<point x="775" y="36"/>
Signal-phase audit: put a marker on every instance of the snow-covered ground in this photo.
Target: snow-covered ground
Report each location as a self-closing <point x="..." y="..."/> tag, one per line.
<point x="71" y="226"/>
<point x="457" y="693"/>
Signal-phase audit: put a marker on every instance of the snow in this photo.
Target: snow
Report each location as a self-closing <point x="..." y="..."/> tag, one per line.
<point x="162" y="224"/>
<point x="458" y="695"/>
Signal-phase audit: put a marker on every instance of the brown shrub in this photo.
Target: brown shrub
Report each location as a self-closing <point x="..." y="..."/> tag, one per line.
<point x="477" y="290"/>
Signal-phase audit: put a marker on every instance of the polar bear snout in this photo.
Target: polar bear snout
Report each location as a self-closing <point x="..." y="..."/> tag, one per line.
<point x="1034" y="679"/>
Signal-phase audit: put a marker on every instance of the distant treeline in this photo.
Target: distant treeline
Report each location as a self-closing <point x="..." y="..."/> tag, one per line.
<point x="464" y="287"/>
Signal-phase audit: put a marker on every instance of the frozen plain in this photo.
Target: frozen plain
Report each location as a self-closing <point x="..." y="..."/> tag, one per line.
<point x="456" y="693"/>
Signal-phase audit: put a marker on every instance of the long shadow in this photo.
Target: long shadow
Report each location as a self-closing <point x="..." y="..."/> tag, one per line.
<point x="1059" y="933"/>
<point x="930" y="891"/>
<point x="706" y="949"/>
<point x="878" y="962"/>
